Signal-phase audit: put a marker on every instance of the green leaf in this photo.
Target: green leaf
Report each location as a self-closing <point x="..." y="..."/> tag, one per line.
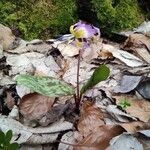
<point x="8" y="136"/>
<point x="2" y="137"/>
<point x="13" y="146"/>
<point x="100" y="74"/>
<point x="48" y="86"/>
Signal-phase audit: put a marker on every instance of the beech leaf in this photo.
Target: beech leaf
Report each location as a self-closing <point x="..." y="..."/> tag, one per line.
<point x="47" y="86"/>
<point x="100" y="74"/>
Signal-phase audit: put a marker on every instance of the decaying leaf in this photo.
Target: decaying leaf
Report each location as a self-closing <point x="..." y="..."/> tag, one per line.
<point x="127" y="58"/>
<point x="128" y="83"/>
<point x="125" y="142"/>
<point x="140" y="44"/>
<point x="39" y="135"/>
<point x="134" y="127"/>
<point x="138" y="108"/>
<point x="48" y="86"/>
<point x="90" y="120"/>
<point x="100" y="74"/>
<point x="54" y="114"/>
<point x="93" y="133"/>
<point x="6" y="37"/>
<point x="144" y="89"/>
<point x="10" y="101"/>
<point x="34" y="106"/>
<point x="68" y="50"/>
<point x="118" y="114"/>
<point x="71" y="73"/>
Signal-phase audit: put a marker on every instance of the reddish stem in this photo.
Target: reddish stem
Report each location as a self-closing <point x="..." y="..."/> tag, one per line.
<point x="78" y="82"/>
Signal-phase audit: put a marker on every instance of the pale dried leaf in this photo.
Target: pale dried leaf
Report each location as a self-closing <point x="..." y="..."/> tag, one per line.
<point x="14" y="113"/>
<point x="128" y="83"/>
<point x="140" y="44"/>
<point x="25" y="134"/>
<point x="127" y="58"/>
<point x="67" y="138"/>
<point x="118" y="114"/>
<point x="6" y="37"/>
<point x="125" y="142"/>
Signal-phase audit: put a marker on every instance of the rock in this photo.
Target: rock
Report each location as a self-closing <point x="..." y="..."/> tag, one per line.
<point x="7" y="39"/>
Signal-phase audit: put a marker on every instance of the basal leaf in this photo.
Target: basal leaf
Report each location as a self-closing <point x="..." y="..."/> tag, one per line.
<point x="100" y="74"/>
<point x="48" y="86"/>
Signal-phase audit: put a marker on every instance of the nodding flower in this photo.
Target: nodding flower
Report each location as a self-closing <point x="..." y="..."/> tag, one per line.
<point x="84" y="34"/>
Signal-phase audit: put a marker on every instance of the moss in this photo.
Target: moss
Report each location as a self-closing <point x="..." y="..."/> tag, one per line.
<point x="48" y="18"/>
<point x="117" y="15"/>
<point x="39" y="18"/>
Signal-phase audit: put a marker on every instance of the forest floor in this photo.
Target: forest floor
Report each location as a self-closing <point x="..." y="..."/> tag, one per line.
<point x="113" y="115"/>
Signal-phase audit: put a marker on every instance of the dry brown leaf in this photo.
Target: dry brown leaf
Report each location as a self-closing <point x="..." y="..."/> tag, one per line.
<point x="133" y="127"/>
<point x="140" y="44"/>
<point x="10" y="102"/>
<point x="99" y="140"/>
<point x="34" y="106"/>
<point x="54" y="114"/>
<point x="90" y="120"/>
<point x="93" y="133"/>
<point x="138" y="108"/>
<point x="104" y="54"/>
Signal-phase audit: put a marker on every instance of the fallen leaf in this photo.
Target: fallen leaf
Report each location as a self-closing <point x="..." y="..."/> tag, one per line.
<point x="143" y="89"/>
<point x="133" y="127"/>
<point x="99" y="140"/>
<point x="38" y="135"/>
<point x="138" y="108"/>
<point x="6" y="37"/>
<point x="54" y="114"/>
<point x="104" y="54"/>
<point x="125" y="57"/>
<point x="125" y="142"/>
<point x="71" y="74"/>
<point x="118" y="114"/>
<point x="93" y="134"/>
<point x="10" y="101"/>
<point x="140" y="44"/>
<point x="143" y="28"/>
<point x="91" y="118"/>
<point x="128" y="83"/>
<point x="34" y="106"/>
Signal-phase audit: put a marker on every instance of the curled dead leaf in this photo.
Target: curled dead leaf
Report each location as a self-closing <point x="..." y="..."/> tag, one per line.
<point x="34" y="106"/>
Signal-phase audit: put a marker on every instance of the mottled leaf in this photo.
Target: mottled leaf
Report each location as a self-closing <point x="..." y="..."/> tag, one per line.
<point x="47" y="86"/>
<point x="100" y="74"/>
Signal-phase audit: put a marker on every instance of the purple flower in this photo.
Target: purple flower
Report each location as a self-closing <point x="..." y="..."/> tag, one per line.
<point x="84" y="33"/>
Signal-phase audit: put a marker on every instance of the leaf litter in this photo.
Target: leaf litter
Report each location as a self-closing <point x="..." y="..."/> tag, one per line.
<point x="101" y="120"/>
